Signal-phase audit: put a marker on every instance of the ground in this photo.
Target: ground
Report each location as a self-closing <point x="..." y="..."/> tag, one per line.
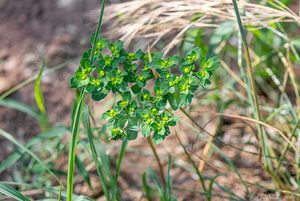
<point x="58" y="31"/>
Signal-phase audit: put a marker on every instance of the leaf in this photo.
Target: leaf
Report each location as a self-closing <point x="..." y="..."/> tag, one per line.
<point x="13" y="140"/>
<point x="82" y="170"/>
<point x="146" y="130"/>
<point x="99" y="166"/>
<point x="98" y="95"/>
<point x="21" y="107"/>
<point x="147" y="188"/>
<point x="157" y="138"/>
<point x="73" y="82"/>
<point x="174" y="100"/>
<point x="56" y="132"/>
<point x="12" y="193"/>
<point x="73" y="143"/>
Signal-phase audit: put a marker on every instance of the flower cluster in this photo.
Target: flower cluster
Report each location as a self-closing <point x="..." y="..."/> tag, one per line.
<point x="115" y="70"/>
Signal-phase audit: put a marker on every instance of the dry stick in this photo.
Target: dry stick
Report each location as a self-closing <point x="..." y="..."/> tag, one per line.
<point x="252" y="82"/>
<point x="207" y="148"/>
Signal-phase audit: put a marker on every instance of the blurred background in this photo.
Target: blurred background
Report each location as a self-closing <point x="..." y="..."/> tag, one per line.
<point x="57" y="31"/>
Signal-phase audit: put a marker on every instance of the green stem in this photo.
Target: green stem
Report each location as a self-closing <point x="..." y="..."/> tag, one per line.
<point x="76" y="120"/>
<point x="73" y="145"/>
<point x="98" y="29"/>
<point x="120" y="158"/>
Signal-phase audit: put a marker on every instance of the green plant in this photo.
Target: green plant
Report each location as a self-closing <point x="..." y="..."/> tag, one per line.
<point x="127" y="74"/>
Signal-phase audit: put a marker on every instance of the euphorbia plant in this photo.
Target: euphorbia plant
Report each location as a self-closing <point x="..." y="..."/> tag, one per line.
<point x="145" y="83"/>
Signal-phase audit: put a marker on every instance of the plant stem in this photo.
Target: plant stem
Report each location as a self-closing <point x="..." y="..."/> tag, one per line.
<point x="161" y="171"/>
<point x="73" y="145"/>
<point x="76" y="120"/>
<point x="98" y="29"/>
<point x="120" y="158"/>
<point x="252" y="82"/>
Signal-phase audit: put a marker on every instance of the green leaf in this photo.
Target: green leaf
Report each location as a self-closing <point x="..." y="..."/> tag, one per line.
<point x="22" y="147"/>
<point x="157" y="138"/>
<point x="82" y="170"/>
<point x="100" y="167"/>
<point x="56" y="132"/>
<point x="21" y="107"/>
<point x="74" y="82"/>
<point x="12" y="193"/>
<point x="146" y="130"/>
<point x="126" y="95"/>
<point x="174" y="100"/>
<point x="98" y="95"/>
<point x="147" y="188"/>
<point x="38" y="94"/>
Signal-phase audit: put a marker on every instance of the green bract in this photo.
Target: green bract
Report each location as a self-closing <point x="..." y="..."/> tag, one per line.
<point x="126" y="73"/>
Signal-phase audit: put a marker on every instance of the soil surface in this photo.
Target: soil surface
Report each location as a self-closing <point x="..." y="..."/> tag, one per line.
<point x="58" y="31"/>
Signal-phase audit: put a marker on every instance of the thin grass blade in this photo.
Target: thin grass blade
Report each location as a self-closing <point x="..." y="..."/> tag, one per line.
<point x="99" y="167"/>
<point x="13" y="193"/>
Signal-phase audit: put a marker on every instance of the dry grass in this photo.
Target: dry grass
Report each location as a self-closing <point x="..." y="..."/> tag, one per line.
<point x="154" y="19"/>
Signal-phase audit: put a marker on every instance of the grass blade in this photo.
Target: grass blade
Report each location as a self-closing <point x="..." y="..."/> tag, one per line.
<point x="88" y="130"/>
<point x="232" y="166"/>
<point x="169" y="181"/>
<point x="147" y="188"/>
<point x="159" y="186"/>
<point x="73" y="144"/>
<point x="82" y="170"/>
<point x="56" y="132"/>
<point x="37" y="91"/>
<point x="261" y="133"/>
<point x="76" y="117"/>
<point x="119" y="162"/>
<point x="13" y="140"/>
<point x="13" y="104"/>
<point x="12" y="193"/>
<point x="39" y="98"/>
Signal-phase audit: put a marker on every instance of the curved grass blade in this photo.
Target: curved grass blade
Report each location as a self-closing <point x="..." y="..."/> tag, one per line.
<point x="37" y="91"/>
<point x="39" y="98"/>
<point x="13" y="193"/>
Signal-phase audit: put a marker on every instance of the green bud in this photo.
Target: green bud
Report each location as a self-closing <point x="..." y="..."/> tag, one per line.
<point x="154" y="111"/>
<point x="112" y="113"/>
<point x="101" y="73"/>
<point x="124" y="103"/>
<point x="146" y="96"/>
<point x="171" y="83"/>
